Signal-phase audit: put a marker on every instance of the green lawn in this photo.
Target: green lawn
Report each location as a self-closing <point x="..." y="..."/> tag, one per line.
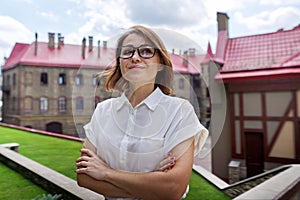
<point x="60" y="155"/>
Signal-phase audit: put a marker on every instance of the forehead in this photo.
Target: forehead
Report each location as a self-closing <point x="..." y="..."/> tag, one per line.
<point x="135" y="40"/>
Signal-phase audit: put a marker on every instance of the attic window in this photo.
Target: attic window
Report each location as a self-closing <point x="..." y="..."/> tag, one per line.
<point x="44" y="78"/>
<point x="79" y="79"/>
<point x="62" y="79"/>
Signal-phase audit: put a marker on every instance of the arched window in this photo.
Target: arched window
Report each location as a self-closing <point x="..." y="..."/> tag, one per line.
<point x="43" y="104"/>
<point x="62" y="104"/>
<point x="79" y="103"/>
<point x="54" y="127"/>
<point x="28" y="104"/>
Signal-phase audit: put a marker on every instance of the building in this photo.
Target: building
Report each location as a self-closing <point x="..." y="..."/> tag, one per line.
<point x="1" y="97"/>
<point x="52" y="86"/>
<point x="261" y="74"/>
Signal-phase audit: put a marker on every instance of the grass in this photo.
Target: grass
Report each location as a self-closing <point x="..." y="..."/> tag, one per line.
<point x="200" y="188"/>
<point x="60" y="155"/>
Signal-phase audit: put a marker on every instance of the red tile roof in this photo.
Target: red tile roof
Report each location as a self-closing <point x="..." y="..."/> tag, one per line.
<point x="71" y="56"/>
<point x="16" y="55"/>
<point x="260" y="55"/>
<point x="67" y="56"/>
<point x="193" y="66"/>
<point x="209" y="55"/>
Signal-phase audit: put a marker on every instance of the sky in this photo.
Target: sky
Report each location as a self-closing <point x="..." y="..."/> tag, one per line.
<point x="182" y="24"/>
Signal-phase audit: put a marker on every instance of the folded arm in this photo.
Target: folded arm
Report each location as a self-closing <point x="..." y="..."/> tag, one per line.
<point x="170" y="184"/>
<point x="99" y="186"/>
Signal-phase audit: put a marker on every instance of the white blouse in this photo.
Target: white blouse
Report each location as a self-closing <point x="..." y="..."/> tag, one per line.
<point x="137" y="139"/>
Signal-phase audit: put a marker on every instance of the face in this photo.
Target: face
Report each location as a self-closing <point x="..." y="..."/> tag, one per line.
<point x="141" y="68"/>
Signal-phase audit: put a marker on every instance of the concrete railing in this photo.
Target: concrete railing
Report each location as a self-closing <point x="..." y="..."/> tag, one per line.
<point x="285" y="185"/>
<point x="280" y="183"/>
<point x="50" y="180"/>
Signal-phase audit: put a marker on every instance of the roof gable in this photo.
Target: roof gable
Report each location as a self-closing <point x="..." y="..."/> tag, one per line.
<point x="208" y="56"/>
<point x="16" y="54"/>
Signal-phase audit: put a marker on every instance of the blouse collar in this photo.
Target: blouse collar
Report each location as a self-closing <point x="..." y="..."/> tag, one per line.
<point x="151" y="101"/>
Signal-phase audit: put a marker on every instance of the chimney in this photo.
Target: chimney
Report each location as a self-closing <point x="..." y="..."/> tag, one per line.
<point x="90" y="43"/>
<point x="51" y="40"/>
<point x="61" y="40"/>
<point x="58" y="40"/>
<point x="83" y="47"/>
<point x="185" y="58"/>
<point x="98" y="48"/>
<point x="223" y="35"/>
<point x="36" y="44"/>
<point x="222" y="19"/>
<point x="104" y="44"/>
<point x="192" y="51"/>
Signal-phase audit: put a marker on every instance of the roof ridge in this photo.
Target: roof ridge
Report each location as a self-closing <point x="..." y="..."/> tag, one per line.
<point x="297" y="28"/>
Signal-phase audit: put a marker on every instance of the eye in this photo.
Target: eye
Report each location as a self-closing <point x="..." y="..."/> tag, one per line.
<point x="146" y="50"/>
<point x="126" y="51"/>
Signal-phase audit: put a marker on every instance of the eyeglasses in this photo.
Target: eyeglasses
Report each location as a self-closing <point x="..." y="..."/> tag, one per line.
<point x="144" y="51"/>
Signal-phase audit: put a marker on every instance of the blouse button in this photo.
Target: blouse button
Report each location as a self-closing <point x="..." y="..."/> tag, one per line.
<point x="131" y="111"/>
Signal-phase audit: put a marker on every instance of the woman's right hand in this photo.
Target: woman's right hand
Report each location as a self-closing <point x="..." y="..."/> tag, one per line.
<point x="167" y="163"/>
<point x="90" y="164"/>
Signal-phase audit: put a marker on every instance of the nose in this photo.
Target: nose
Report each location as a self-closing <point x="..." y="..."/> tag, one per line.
<point x="136" y="56"/>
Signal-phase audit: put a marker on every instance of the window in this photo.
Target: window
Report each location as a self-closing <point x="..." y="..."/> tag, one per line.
<point x="62" y="79"/>
<point x="181" y="83"/>
<point x="79" y="103"/>
<point x="96" y="81"/>
<point x="27" y="104"/>
<point x="79" y="79"/>
<point x="43" y="104"/>
<point x="96" y="101"/>
<point x="7" y="80"/>
<point x="62" y="104"/>
<point x="44" y="78"/>
<point x="14" y="104"/>
<point x="14" y="79"/>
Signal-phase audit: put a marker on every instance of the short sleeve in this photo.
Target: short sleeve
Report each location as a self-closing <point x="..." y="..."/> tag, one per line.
<point x="92" y="127"/>
<point x="186" y="125"/>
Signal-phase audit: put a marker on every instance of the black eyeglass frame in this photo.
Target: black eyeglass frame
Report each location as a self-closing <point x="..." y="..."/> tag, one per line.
<point x="138" y="50"/>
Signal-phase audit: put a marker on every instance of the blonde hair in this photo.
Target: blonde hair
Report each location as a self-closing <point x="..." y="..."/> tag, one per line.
<point x="164" y="78"/>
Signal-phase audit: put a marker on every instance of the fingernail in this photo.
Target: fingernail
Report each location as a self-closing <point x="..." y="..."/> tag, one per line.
<point x="171" y="158"/>
<point x="172" y="162"/>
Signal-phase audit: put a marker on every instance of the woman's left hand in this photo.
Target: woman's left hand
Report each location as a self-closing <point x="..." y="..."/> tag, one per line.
<point x="89" y="163"/>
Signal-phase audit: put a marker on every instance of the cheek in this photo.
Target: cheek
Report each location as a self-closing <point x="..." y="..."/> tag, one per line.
<point x="122" y="66"/>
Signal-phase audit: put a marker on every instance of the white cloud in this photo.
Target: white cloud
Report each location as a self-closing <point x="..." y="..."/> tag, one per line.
<point x="12" y="31"/>
<point x="104" y="19"/>
<point x="49" y="15"/>
<point x="270" y="21"/>
<point x="278" y="2"/>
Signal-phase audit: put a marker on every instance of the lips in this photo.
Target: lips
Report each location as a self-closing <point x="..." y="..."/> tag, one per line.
<point x="135" y="67"/>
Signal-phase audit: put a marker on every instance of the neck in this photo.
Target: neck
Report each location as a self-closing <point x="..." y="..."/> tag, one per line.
<point x="137" y="94"/>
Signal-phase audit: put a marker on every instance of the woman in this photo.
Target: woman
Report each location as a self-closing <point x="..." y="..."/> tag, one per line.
<point x="133" y="140"/>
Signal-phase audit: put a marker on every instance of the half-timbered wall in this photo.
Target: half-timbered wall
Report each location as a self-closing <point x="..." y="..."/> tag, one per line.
<point x="272" y="108"/>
